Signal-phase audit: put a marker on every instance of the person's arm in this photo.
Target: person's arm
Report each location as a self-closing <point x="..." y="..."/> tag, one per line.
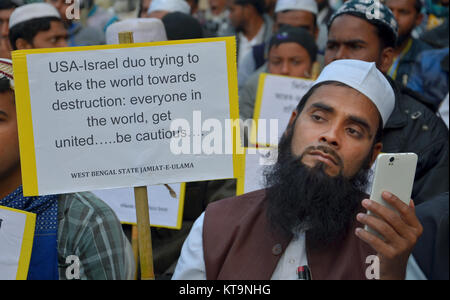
<point x="400" y="231"/>
<point x="191" y="264"/>
<point x="93" y="233"/>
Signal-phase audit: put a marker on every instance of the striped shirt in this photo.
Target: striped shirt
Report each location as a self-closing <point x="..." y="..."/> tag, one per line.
<point x="89" y="232"/>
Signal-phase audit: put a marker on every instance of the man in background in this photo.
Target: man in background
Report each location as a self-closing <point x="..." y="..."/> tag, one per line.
<point x="408" y="15"/>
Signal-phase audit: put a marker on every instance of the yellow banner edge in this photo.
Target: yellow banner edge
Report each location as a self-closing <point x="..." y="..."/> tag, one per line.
<point x="25" y="126"/>
<point x="257" y="110"/>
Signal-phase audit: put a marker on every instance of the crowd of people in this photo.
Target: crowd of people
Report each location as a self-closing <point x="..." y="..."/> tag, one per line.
<point x="381" y="84"/>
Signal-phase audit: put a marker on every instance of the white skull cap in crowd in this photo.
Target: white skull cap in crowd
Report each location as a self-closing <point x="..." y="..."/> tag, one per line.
<point x="32" y="11"/>
<point x="144" y="30"/>
<point x="170" y="6"/>
<point x="307" y="5"/>
<point x="6" y="70"/>
<point x="365" y="78"/>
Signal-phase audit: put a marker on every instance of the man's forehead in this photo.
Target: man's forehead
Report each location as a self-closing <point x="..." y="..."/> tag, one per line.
<point x="348" y="100"/>
<point x="300" y="16"/>
<point x="402" y="3"/>
<point x="348" y="26"/>
<point x="5" y="13"/>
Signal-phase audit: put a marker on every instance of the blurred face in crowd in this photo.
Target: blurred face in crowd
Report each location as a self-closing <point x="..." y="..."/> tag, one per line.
<point x="238" y="15"/>
<point x="5" y="46"/>
<point x="289" y="59"/>
<point x="194" y="5"/>
<point x="9" y="144"/>
<point x="4" y="21"/>
<point x="55" y="37"/>
<point x="406" y="15"/>
<point x="145" y="4"/>
<point x="350" y="37"/>
<point x="336" y="128"/>
<point x="217" y="6"/>
<point x="62" y="7"/>
<point x="296" y="18"/>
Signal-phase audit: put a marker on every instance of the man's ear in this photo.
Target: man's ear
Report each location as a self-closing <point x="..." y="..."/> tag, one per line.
<point x="386" y="59"/>
<point x="22" y="44"/>
<point x="375" y="151"/>
<point x="292" y="118"/>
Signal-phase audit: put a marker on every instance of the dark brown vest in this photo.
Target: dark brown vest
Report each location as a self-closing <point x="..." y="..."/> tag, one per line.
<point x="239" y="244"/>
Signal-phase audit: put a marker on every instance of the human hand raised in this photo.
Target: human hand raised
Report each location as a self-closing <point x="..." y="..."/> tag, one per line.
<point x="399" y="229"/>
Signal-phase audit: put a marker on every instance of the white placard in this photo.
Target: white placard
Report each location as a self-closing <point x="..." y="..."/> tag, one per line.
<point x="165" y="204"/>
<point x="15" y="244"/>
<point x="278" y="96"/>
<point x="256" y="160"/>
<point x="102" y="118"/>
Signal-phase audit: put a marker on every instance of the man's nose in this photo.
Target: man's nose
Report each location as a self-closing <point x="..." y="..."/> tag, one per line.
<point x="341" y="53"/>
<point x="331" y="137"/>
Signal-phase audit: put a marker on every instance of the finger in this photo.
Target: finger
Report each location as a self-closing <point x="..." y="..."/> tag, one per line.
<point x="384" y="229"/>
<point x="389" y="216"/>
<point x="375" y="242"/>
<point x="407" y="213"/>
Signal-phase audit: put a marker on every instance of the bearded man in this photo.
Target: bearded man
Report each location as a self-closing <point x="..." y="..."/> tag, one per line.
<point x="312" y="211"/>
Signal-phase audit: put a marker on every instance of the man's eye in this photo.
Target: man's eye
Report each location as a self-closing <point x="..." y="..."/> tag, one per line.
<point x="316" y="117"/>
<point x="354" y="132"/>
<point x="275" y="62"/>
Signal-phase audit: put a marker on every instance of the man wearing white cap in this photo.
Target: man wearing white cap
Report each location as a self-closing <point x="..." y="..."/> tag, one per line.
<point x="160" y="8"/>
<point x="308" y="220"/>
<point x="36" y="25"/>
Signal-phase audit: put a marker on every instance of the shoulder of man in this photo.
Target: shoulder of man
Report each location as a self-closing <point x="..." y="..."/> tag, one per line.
<point x="411" y="107"/>
<point x="85" y="207"/>
<point x="414" y="127"/>
<point x="421" y="46"/>
<point x="235" y="208"/>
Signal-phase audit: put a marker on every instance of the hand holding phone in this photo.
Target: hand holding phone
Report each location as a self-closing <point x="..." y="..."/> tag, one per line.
<point x="392" y="227"/>
<point x="394" y="173"/>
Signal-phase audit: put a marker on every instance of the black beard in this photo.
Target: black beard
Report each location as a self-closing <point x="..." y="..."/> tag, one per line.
<point x="303" y="198"/>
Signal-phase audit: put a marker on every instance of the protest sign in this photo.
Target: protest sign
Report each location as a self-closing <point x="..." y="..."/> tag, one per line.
<point x="16" y="242"/>
<point x="277" y="98"/>
<point x="102" y="117"/>
<point x="256" y="160"/>
<point x="165" y="204"/>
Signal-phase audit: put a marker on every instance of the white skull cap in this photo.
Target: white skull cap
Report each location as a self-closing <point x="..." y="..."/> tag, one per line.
<point x="170" y="6"/>
<point x="32" y="11"/>
<point x="307" y="5"/>
<point x="144" y="30"/>
<point x="365" y="78"/>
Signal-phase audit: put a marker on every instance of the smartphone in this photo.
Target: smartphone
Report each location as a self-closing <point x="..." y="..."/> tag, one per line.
<point x="394" y="173"/>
